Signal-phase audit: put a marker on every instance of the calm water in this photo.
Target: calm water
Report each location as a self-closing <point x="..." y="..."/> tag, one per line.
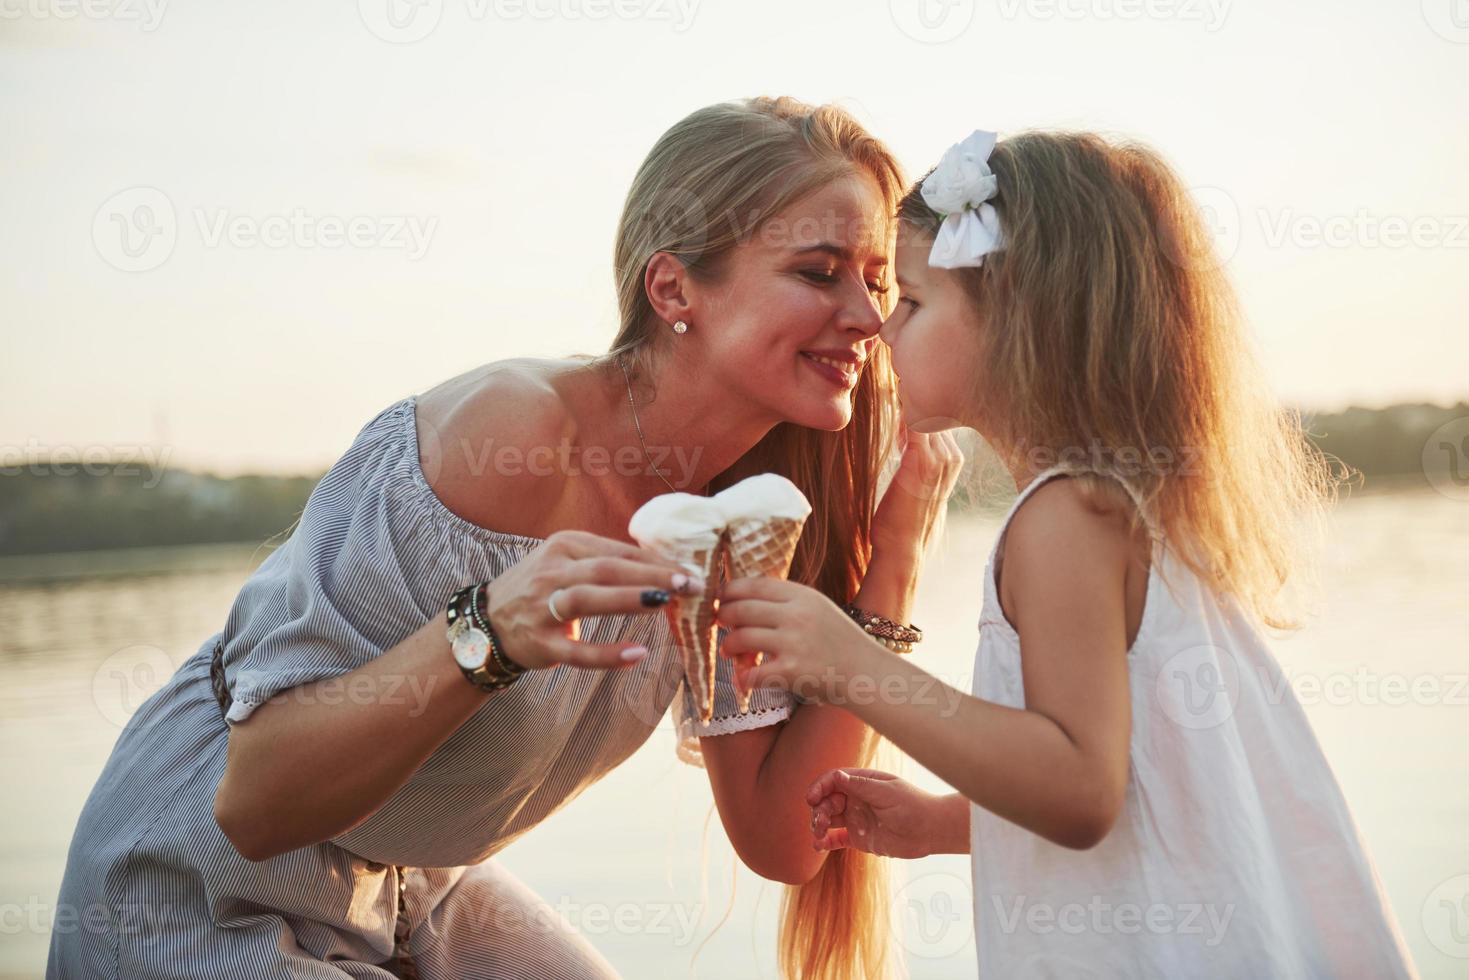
<point x="636" y="862"/>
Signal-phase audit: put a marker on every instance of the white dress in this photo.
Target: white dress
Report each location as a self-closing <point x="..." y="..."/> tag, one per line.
<point x="1234" y="855"/>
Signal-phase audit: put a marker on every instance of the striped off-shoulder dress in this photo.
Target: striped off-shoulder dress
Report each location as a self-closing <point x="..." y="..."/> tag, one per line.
<point x="413" y="890"/>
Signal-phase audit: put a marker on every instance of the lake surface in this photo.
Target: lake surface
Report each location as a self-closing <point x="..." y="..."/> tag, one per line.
<point x="638" y="864"/>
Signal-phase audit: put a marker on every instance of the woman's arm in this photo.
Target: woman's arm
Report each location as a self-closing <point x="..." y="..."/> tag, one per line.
<point x="296" y="773"/>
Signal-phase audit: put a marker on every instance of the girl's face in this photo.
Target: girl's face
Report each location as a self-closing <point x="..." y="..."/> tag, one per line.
<point x="934" y="333"/>
<point x="793" y="318"/>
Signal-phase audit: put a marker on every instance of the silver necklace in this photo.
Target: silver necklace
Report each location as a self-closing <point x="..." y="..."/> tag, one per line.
<point x="638" y="425"/>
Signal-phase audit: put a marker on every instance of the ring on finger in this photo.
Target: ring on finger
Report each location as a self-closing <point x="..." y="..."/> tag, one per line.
<point x="551" y="605"/>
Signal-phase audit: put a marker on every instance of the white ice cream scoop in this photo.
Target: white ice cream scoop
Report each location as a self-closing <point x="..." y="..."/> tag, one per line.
<point x="676" y="521"/>
<point x="768" y="496"/>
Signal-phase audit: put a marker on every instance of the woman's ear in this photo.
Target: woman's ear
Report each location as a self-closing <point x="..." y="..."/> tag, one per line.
<point x="664" y="281"/>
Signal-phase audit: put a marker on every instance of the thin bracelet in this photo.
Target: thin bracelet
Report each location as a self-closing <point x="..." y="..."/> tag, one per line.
<point x="497" y="653"/>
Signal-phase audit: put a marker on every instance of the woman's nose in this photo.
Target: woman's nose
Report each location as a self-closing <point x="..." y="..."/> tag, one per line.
<point x="861" y="311"/>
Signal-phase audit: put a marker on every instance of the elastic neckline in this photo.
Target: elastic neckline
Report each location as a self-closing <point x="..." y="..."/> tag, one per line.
<point x="408" y="416"/>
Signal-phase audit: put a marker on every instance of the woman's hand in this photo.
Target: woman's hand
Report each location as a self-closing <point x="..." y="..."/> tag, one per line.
<point x="920" y="488"/>
<point x="590" y="576"/>
<point x="875" y="812"/>
<point x="811" y="647"/>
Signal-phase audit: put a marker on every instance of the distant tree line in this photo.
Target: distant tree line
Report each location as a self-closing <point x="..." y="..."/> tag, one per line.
<point x="46" y="508"/>
<point x="1383" y="441"/>
<point x="99" y="506"/>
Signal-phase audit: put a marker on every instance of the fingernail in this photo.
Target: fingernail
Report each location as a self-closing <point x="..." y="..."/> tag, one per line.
<point x="654" y="597"/>
<point x="687" y="583"/>
<point x="634" y="654"/>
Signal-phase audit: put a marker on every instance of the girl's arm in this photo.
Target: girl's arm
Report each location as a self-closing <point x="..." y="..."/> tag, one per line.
<point x="760" y="777"/>
<point x="1058" y="766"/>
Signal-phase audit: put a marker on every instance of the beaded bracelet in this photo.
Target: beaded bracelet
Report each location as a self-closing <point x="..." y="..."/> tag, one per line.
<point x="895" y="637"/>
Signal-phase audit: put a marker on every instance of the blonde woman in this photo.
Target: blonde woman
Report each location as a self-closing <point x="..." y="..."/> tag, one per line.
<point x="282" y="808"/>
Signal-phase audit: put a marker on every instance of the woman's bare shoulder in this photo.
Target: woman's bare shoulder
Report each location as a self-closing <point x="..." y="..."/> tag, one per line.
<point x="488" y="443"/>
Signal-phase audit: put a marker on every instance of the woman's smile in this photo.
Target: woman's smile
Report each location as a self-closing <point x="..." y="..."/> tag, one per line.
<point x="841" y="367"/>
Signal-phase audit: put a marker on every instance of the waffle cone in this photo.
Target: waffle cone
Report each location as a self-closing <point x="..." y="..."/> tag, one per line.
<point x="762" y="547"/>
<point x="691" y="619"/>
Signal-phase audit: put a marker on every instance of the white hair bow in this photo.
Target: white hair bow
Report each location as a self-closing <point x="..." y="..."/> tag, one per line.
<point x="960" y="188"/>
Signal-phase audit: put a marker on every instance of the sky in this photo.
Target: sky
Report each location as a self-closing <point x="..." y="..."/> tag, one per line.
<point x="231" y="233"/>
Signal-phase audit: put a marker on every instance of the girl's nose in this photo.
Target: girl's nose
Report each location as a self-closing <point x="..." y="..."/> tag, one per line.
<point x="889" y="328"/>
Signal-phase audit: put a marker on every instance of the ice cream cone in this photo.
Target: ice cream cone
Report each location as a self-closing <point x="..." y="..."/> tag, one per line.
<point x="760" y="518"/>
<point x="691" y="620"/>
<point x="762" y="547"/>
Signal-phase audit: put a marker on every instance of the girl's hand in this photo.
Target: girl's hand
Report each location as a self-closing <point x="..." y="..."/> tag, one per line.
<point x="808" y="642"/>
<point x="872" y="811"/>
<point x="920" y="488"/>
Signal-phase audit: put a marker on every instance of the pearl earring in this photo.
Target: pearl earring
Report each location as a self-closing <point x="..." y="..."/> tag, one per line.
<point x="680" y="327"/>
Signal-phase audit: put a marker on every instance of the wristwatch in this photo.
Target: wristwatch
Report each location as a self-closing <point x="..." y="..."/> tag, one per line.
<point x="475" y="646"/>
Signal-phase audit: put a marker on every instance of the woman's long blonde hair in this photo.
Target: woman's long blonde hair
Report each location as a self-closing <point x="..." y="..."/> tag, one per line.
<point x="711" y="181"/>
<point x="1110" y="332"/>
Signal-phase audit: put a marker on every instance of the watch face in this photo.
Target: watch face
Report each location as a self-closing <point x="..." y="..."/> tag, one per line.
<point x="471" y="648"/>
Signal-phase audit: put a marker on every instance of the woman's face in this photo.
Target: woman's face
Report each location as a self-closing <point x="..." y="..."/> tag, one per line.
<point x="793" y="318"/>
<point x="934" y="333"/>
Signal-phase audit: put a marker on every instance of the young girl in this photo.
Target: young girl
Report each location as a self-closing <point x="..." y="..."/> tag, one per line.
<point x="1140" y="792"/>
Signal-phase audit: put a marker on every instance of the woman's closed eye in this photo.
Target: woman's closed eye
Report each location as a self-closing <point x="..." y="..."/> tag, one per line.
<point x="827" y="277"/>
